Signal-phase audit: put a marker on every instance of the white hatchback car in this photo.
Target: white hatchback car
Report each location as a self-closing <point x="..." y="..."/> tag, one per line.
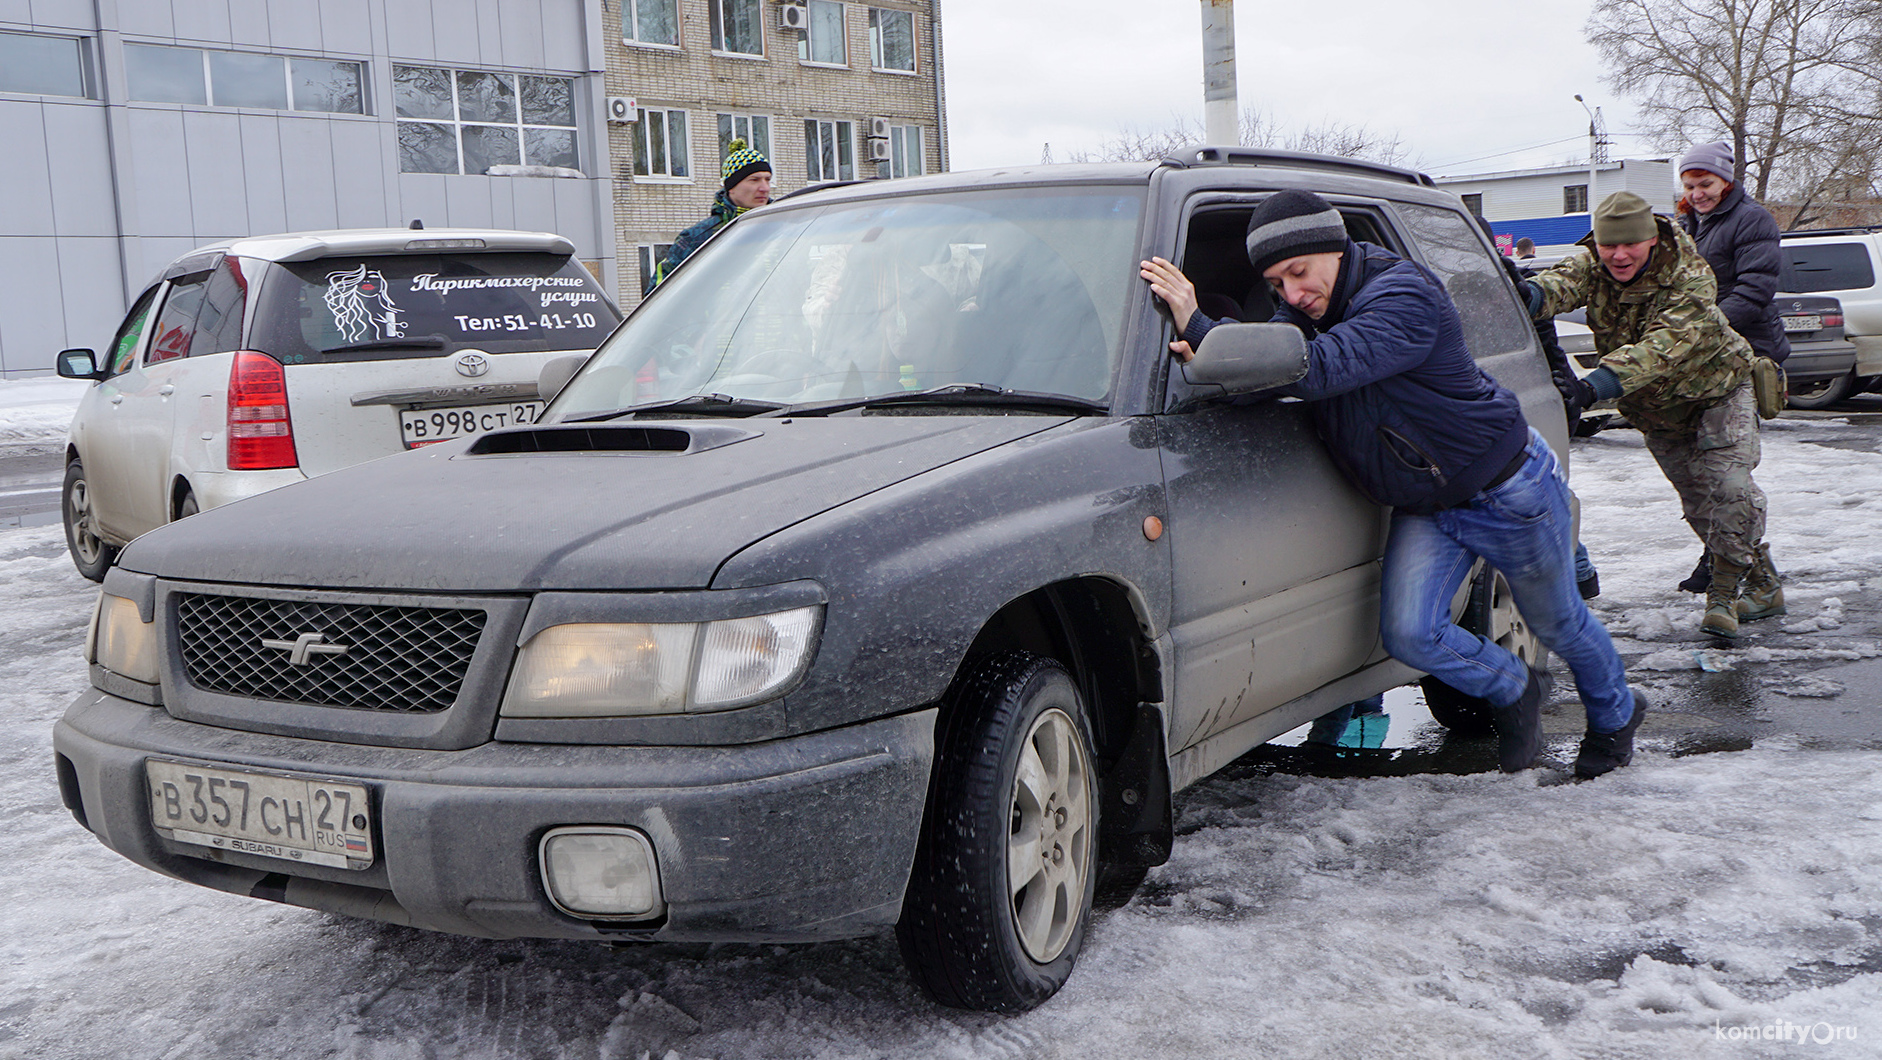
<point x="259" y="362"/>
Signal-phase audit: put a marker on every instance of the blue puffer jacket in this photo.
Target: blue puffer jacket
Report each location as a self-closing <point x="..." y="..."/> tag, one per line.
<point x="1405" y="411"/>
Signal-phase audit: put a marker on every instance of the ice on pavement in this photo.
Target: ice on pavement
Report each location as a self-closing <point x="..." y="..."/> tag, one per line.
<point x="1658" y="912"/>
<point x="37" y="410"/>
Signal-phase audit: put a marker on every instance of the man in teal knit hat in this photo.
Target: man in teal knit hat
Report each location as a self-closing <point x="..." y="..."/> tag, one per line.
<point x="747" y="180"/>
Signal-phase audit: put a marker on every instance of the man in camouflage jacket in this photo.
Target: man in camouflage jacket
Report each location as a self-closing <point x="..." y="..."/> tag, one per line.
<point x="1683" y="376"/>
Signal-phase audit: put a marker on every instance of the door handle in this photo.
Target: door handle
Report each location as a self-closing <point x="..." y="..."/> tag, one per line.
<point x="117" y="399"/>
<point x="167" y="389"/>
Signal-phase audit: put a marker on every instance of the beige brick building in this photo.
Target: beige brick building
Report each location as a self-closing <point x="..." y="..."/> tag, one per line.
<point x="807" y="82"/>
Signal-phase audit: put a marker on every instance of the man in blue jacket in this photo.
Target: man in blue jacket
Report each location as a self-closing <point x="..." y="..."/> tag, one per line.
<point x="1417" y="426"/>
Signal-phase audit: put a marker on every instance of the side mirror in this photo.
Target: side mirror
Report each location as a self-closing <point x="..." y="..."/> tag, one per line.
<point x="79" y="364"/>
<point x="556" y="374"/>
<point x="1248" y="358"/>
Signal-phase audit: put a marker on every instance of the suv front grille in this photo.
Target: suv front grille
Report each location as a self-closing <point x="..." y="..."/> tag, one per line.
<point x="410" y="660"/>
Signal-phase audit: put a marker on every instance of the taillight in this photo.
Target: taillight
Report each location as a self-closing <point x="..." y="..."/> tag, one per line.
<point x="1832" y="320"/>
<point x="260" y="434"/>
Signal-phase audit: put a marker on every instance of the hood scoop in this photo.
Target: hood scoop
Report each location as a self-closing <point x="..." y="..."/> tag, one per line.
<point x="670" y="440"/>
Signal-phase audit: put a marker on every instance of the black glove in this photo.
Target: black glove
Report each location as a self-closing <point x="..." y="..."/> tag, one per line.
<point x="1532" y="298"/>
<point x="1577" y="394"/>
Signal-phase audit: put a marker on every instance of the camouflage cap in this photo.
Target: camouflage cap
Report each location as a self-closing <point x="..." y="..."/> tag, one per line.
<point x="1623" y="217"/>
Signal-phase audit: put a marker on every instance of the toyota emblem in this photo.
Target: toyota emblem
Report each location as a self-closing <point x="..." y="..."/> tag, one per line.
<point x="472" y="365"/>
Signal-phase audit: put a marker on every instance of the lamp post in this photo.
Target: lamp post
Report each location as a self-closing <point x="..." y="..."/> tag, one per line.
<point x="1593" y="152"/>
<point x="1218" y="72"/>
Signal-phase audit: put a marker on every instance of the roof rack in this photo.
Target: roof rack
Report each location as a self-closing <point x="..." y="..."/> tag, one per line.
<point x="822" y="186"/>
<point x="1206" y="155"/>
<point x="1851" y="230"/>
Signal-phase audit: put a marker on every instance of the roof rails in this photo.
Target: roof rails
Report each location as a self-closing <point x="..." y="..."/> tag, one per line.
<point x="1851" y="230"/>
<point x="823" y="186"/>
<point x="1203" y="155"/>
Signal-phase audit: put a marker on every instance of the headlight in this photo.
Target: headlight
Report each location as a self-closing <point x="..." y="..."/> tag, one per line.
<point x="591" y="669"/>
<point x="125" y="644"/>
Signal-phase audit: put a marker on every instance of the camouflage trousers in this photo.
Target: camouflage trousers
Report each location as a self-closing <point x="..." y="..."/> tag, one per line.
<point x="1710" y="468"/>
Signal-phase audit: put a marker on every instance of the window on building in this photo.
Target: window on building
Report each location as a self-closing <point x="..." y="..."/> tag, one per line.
<point x="825" y="39"/>
<point x="905" y="158"/>
<point x="830" y="150"/>
<point x="737" y="26"/>
<point x="465" y="121"/>
<point x="651" y="255"/>
<point x="43" y="66"/>
<point x="650" y="22"/>
<point x="891" y="39"/>
<point x="754" y="129"/>
<point x="242" y="79"/>
<point x="660" y="144"/>
<point x="1474" y="203"/>
<point x="1575" y="198"/>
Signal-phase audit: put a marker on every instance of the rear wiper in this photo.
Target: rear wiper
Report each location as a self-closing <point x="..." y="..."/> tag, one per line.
<point x="952" y="394"/>
<point x="423" y="342"/>
<point x="705" y="404"/>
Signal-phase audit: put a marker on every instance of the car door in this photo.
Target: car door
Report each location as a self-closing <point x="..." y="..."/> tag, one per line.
<point x="99" y="428"/>
<point x="1275" y="556"/>
<point x="148" y="413"/>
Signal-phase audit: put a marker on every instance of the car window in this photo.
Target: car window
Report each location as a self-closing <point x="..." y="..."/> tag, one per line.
<point x="1826" y="267"/>
<point x="496" y="302"/>
<point x="123" y="351"/>
<point x="1453" y="248"/>
<point x="1017" y="288"/>
<point x="176" y="323"/>
<point x="219" y="322"/>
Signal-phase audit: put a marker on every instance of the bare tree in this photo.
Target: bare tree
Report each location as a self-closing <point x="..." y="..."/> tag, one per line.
<point x="1256" y="130"/>
<point x="1792" y="84"/>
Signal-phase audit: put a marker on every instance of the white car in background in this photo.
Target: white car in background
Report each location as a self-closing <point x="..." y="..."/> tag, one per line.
<point x="259" y="362"/>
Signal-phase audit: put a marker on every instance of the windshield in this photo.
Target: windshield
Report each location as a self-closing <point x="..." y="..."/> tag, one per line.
<point x="1018" y="289"/>
<point x="352" y="308"/>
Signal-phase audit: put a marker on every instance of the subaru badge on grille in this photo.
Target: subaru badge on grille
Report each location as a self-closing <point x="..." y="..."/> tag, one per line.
<point x="305" y="646"/>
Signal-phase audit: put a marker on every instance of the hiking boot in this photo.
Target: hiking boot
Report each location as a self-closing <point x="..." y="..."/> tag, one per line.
<point x="1519" y="726"/>
<point x="1721" y="618"/>
<point x="1604" y="752"/>
<point x="1589" y="587"/>
<point x="1701" y="575"/>
<point x="1764" y="592"/>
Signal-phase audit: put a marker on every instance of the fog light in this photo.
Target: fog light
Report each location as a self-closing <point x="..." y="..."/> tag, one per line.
<point x="598" y="872"/>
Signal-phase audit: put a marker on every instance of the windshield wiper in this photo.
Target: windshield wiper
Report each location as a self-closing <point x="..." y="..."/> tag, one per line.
<point x="422" y="342"/>
<point x="704" y="404"/>
<point x="952" y="394"/>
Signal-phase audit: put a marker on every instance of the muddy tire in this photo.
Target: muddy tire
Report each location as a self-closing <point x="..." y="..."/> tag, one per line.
<point x="1492" y="613"/>
<point x="91" y="554"/>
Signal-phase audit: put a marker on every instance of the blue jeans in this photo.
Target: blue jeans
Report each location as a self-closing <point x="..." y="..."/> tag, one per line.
<point x="1522" y="528"/>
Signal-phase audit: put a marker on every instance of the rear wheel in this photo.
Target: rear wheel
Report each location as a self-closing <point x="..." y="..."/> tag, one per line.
<point x="1491" y="613"/>
<point x="90" y="553"/>
<point x="186" y="505"/>
<point x="1820" y="393"/>
<point x="1001" y="889"/>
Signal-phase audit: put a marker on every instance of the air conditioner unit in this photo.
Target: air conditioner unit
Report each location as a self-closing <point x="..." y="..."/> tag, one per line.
<point x="621" y="109"/>
<point x="794" y="16"/>
<point x="878" y="127"/>
<point x="878" y="149"/>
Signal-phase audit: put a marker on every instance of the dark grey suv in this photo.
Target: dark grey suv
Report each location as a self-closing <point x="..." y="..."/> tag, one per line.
<point x="881" y="572"/>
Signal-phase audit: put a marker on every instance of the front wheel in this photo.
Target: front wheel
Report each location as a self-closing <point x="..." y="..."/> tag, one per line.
<point x="1001" y="889"/>
<point x="1490" y="613"/>
<point x="90" y="553"/>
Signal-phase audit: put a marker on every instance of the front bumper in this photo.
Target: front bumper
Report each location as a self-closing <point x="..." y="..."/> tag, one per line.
<point x="799" y="839"/>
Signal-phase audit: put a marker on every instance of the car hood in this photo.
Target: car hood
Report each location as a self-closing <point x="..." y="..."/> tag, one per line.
<point x="640" y="506"/>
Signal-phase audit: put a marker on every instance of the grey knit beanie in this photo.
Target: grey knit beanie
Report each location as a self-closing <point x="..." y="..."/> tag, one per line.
<point x="1291" y="223"/>
<point x="1714" y="158"/>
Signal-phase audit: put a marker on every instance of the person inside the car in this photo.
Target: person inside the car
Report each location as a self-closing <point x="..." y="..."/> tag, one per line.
<point x="746" y="177"/>
<point x="1416" y="425"/>
<point x="1683" y="376"/>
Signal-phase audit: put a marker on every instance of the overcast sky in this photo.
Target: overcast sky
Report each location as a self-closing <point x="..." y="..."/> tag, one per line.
<point x="1469" y="86"/>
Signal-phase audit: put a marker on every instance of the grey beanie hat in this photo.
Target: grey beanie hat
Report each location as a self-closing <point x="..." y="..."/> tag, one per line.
<point x="1715" y="158"/>
<point x="1291" y="223"/>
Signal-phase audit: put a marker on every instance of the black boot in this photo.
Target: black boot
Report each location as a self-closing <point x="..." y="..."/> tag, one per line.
<point x="1589" y="587"/>
<point x="1701" y="577"/>
<point x="1604" y="752"/>
<point x="1519" y="727"/>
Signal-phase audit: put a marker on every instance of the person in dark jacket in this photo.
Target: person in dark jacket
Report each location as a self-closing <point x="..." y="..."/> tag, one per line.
<point x="1414" y="423"/>
<point x="1739" y="239"/>
<point x="746" y="186"/>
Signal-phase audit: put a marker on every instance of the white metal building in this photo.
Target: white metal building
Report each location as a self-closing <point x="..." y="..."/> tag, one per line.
<point x="137" y="129"/>
<point x="1551" y="205"/>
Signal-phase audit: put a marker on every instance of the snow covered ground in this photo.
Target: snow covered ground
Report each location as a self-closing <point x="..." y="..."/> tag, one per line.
<point x="1710" y="905"/>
